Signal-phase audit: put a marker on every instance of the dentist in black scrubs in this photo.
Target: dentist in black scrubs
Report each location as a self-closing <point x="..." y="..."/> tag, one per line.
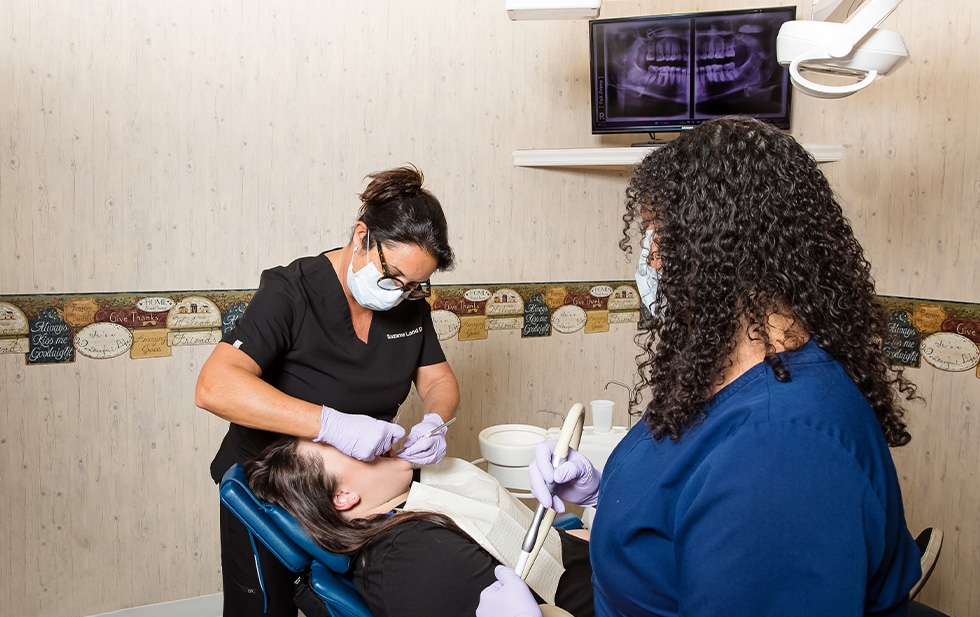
<point x="327" y="350"/>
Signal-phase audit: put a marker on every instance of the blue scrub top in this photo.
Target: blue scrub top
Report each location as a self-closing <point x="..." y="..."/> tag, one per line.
<point x="784" y="501"/>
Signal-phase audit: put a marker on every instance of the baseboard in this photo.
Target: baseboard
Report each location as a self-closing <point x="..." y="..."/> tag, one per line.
<point x="201" y="606"/>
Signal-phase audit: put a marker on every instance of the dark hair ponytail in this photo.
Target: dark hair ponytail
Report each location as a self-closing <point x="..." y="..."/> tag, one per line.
<point x="397" y="209"/>
<point x="284" y="477"/>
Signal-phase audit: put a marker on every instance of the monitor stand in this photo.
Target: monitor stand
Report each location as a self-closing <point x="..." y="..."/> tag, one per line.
<point x="653" y="141"/>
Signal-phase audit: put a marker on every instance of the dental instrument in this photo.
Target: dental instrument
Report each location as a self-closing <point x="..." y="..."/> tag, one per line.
<point x="570" y="436"/>
<point x="430" y="433"/>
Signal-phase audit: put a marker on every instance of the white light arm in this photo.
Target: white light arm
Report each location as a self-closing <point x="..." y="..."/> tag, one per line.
<point x="823" y="8"/>
<point x="858" y="25"/>
<point x="854" y="47"/>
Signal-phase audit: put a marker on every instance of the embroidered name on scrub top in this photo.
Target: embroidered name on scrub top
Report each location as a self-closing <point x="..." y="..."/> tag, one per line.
<point x="404" y="334"/>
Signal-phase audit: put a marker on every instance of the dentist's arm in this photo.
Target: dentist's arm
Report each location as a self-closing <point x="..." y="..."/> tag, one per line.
<point x="438" y="389"/>
<point x="230" y="386"/>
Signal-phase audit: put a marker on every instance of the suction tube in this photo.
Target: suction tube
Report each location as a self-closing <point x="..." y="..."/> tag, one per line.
<point x="570" y="436"/>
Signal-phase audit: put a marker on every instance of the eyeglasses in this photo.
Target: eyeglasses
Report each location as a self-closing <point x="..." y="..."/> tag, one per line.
<point x="415" y="291"/>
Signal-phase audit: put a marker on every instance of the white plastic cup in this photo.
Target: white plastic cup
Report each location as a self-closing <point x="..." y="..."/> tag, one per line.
<point x="602" y="412"/>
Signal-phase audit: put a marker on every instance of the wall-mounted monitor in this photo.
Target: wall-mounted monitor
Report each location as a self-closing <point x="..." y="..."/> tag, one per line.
<point x="666" y="73"/>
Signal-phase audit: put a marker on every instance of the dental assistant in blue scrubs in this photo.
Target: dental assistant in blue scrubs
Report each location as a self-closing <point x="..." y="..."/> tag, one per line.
<point x="760" y="482"/>
<point x="328" y="349"/>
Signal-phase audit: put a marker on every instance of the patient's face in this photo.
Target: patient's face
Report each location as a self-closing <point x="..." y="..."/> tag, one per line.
<point x="375" y="481"/>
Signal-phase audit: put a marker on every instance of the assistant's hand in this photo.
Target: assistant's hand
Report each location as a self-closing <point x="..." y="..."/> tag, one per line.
<point x="577" y="480"/>
<point x="425" y="451"/>
<point x="357" y="436"/>
<point x="508" y="597"/>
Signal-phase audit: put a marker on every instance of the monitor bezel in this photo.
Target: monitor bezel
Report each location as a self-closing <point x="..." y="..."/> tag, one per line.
<point x="782" y="122"/>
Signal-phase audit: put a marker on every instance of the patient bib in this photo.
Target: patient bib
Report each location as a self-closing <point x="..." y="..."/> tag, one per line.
<point x="489" y="514"/>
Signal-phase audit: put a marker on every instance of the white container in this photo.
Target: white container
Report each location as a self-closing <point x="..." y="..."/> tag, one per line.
<point x="511" y="478"/>
<point x="510" y="445"/>
<point x="602" y="412"/>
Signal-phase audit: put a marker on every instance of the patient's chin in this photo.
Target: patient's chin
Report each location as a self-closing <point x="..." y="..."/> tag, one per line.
<point x="401" y="465"/>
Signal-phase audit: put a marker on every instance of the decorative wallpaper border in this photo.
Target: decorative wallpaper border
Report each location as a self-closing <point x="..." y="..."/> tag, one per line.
<point x="944" y="334"/>
<point x="55" y="328"/>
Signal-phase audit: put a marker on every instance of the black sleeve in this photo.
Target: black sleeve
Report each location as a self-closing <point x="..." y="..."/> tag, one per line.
<point x="431" y="347"/>
<point x="575" y="592"/>
<point x="420" y="569"/>
<point x="265" y="331"/>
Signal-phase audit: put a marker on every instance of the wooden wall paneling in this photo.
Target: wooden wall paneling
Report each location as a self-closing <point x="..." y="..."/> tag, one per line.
<point x="109" y="167"/>
<point x="194" y="444"/>
<point x="50" y="177"/>
<point x="77" y="140"/>
<point x="71" y="482"/>
<point x="301" y="203"/>
<point x="19" y="538"/>
<point x="938" y="470"/>
<point x="193" y="195"/>
<point x="159" y="449"/>
<point x="323" y="174"/>
<point x="206" y="432"/>
<point x="138" y="114"/>
<point x="34" y="518"/>
<point x="282" y="107"/>
<point x="55" y="548"/>
<point x="240" y="53"/>
<point x="162" y="195"/>
<point x="9" y="161"/>
<point x="99" y="481"/>
<point x="957" y="495"/>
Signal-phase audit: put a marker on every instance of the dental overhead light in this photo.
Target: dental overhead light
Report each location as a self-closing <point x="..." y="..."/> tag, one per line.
<point x="553" y="9"/>
<point x="854" y="48"/>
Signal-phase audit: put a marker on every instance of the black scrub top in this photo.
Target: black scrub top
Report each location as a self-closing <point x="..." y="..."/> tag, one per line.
<point x="298" y="329"/>
<point x="420" y="569"/>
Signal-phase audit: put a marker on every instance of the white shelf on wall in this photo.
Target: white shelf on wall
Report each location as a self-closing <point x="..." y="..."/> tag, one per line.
<point x="624" y="158"/>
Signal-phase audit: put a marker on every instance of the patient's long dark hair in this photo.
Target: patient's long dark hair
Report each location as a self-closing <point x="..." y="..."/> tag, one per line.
<point x="297" y="482"/>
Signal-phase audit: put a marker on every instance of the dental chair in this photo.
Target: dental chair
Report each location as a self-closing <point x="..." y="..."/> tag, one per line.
<point x="290" y="543"/>
<point x="930" y="543"/>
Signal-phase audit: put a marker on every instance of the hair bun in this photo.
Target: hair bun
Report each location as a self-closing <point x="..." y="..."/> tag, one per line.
<point x="389" y="184"/>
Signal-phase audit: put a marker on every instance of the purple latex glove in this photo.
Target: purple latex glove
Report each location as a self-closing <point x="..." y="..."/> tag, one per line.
<point x="508" y="597"/>
<point x="425" y="451"/>
<point x="577" y="480"/>
<point x="357" y="436"/>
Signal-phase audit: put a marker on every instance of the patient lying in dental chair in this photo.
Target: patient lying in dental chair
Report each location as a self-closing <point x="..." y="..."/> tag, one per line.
<point x="424" y="542"/>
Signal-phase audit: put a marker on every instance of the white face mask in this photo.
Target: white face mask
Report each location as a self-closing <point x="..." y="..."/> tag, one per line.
<point x="647" y="277"/>
<point x="363" y="285"/>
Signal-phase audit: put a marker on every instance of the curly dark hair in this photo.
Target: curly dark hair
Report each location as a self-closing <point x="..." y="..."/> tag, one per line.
<point x="745" y="226"/>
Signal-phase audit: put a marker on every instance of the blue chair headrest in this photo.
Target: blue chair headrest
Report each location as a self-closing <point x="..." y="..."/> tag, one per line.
<point x="295" y="532"/>
<point x="238" y="498"/>
<point x="290" y="543"/>
<point x="275" y="527"/>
